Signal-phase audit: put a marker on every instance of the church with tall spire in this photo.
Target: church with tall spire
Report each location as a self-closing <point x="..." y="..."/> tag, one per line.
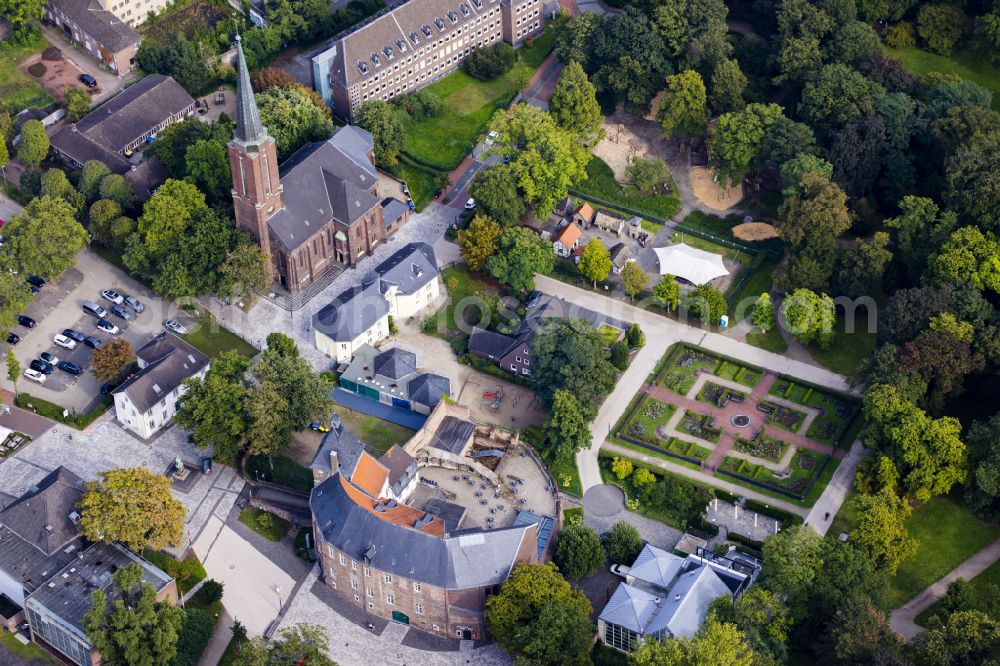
<point x="318" y="210"/>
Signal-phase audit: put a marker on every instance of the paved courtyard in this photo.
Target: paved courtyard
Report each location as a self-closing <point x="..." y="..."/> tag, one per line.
<point x="748" y="523"/>
<point x="604" y="505"/>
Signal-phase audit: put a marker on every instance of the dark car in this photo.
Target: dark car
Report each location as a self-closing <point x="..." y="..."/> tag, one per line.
<point x="206" y="465"/>
<point x="73" y="335"/>
<point x="88" y="80"/>
<point x="533" y="299"/>
<point x="26" y="321"/>
<point x="41" y="366"/>
<point x="121" y="312"/>
<point x="51" y="359"/>
<point x="107" y="387"/>
<point x="35" y="281"/>
<point x="71" y="368"/>
<point x="92" y="342"/>
<point x="13" y="338"/>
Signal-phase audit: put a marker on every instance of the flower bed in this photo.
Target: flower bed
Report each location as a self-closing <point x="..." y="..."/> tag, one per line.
<point x="698" y="425"/>
<point x="763" y="446"/>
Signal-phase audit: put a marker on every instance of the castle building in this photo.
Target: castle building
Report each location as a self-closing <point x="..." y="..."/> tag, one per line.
<point x="318" y="210"/>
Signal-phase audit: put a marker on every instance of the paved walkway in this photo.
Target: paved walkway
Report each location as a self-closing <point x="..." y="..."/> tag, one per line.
<point x="904" y="618"/>
<point x="219" y="642"/>
<point x="604" y="506"/>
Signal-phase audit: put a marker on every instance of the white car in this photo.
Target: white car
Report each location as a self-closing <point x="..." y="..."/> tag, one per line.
<point x="107" y="327"/>
<point x="491" y="138"/>
<point x="175" y="327"/>
<point x="470" y="204"/>
<point x="34" y="376"/>
<point x="620" y="570"/>
<point x="113" y="296"/>
<point x="64" y="342"/>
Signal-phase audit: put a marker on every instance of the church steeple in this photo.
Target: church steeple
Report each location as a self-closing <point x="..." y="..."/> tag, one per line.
<point x="249" y="130"/>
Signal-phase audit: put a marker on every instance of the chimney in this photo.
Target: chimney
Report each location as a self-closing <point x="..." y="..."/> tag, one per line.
<point x="334" y="462"/>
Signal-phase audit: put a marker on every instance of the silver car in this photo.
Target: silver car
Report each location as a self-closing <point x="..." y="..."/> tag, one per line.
<point x="135" y="304"/>
<point x="175" y="327"/>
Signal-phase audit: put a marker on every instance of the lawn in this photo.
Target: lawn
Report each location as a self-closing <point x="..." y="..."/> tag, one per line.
<point x="187" y="573"/>
<point x="209" y="337"/>
<point x="741" y="300"/>
<point x="647" y="418"/>
<point x="601" y="183"/>
<point x="18" y="91"/>
<point x="846" y="350"/>
<point x="463" y="284"/>
<point x="609" y="335"/>
<point x="948" y="533"/>
<point x="444" y="140"/>
<point x="573" y="516"/>
<point x="30" y="653"/>
<point x="55" y="412"/>
<point x="968" y="64"/>
<point x="770" y="341"/>
<point x="286" y="472"/>
<point x="270" y="527"/>
<point x="723" y="228"/>
<point x="983" y="587"/>
<point x="379" y="435"/>
<point x="420" y="179"/>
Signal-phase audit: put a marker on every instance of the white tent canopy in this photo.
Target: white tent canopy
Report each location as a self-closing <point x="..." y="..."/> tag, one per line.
<point x="694" y="265"/>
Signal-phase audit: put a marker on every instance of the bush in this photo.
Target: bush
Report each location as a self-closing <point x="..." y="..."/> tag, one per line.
<point x="421" y="104"/>
<point x="635" y="337"/>
<point x="489" y="63"/>
<point x="194" y="636"/>
<point x="619" y="355"/>
<point x="622" y="543"/>
<point x="578" y="551"/>
<point x="901" y="36"/>
<point x="211" y="591"/>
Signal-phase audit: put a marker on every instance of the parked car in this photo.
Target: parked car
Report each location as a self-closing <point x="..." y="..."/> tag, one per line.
<point x="92" y="308"/>
<point x="88" y="80"/>
<point x="92" y="342"/>
<point x="206" y="465"/>
<point x="35" y="281"/>
<point x="64" y="342"/>
<point x="175" y="327"/>
<point x="13" y="338"/>
<point x="107" y="387"/>
<point x="40" y="366"/>
<point x="135" y="304"/>
<point x="108" y="327"/>
<point x="491" y="138"/>
<point x="73" y="334"/>
<point x="51" y="359"/>
<point x="35" y="376"/>
<point x="470" y="204"/>
<point x="119" y="311"/>
<point x="113" y="296"/>
<point x="533" y="299"/>
<point x="619" y="570"/>
<point x="71" y="368"/>
<point x="321" y="427"/>
<point x="26" y="321"/>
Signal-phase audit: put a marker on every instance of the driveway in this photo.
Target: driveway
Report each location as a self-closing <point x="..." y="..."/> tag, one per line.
<point x="108" y="83"/>
<point x="604" y="506"/>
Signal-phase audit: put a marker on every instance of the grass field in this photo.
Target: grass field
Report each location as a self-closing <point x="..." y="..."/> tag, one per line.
<point x="445" y="140"/>
<point x="462" y="284"/>
<point x="742" y="300"/>
<point x="18" y="91"/>
<point x="184" y="20"/>
<point x="723" y="228"/>
<point x="270" y="527"/>
<point x="770" y="341"/>
<point x="379" y="435"/>
<point x="187" y="573"/>
<point x="31" y="654"/>
<point x="983" y="586"/>
<point x="421" y="181"/>
<point x="846" y="350"/>
<point x="948" y="533"/>
<point x="286" y="472"/>
<point x="601" y="183"/>
<point x="212" y="339"/>
<point x="968" y="64"/>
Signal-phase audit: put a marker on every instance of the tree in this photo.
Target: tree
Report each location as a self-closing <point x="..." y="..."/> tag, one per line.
<point x="881" y="529"/>
<point x="810" y="317"/>
<point x="971" y="178"/>
<point x="667" y="293"/>
<point x="133" y="506"/>
<point x="574" y="36"/>
<point x="820" y="209"/>
<point x="623" y="543"/>
<point x="111" y="359"/>
<point x="172" y="144"/>
<point x="763" y="313"/>
<point x="728" y="84"/>
<point x="940" y="27"/>
<point x="207" y="166"/>
<point x="384" y="122"/>
<point x="783" y="140"/>
<point x="102" y="214"/>
<point x="91" y="177"/>
<point x="292" y="119"/>
<point x="761" y="615"/>
<point x="837" y="96"/>
<point x="578" y="552"/>
<point x="539" y="618"/>
<point x="634" y="279"/>
<point x="116" y="188"/>
<point x="495" y="191"/>
<point x="22" y="12"/>
<point x="194" y="636"/>
<point x="574" y="106"/>
<point x="269" y="430"/>
<point x="629" y="59"/>
<point x="796" y="168"/>
<point x="246" y="269"/>
<point x="48" y="218"/>
<point x="546" y="159"/>
<point x="683" y="112"/>
<point x="299" y="645"/>
<point x="940" y="359"/>
<point x="307" y="393"/>
<point x="622" y="467"/>
<point x="595" y="262"/>
<point x="859" y="631"/>
<point x="181" y="59"/>
<point x="847" y="572"/>
<point x="569" y="354"/>
<point x="707" y="304"/>
<point x="488" y="62"/>
<point x="853" y="44"/>
<point x="165" y="218"/>
<point x="792" y="558"/>
<point x="567" y="427"/>
<point x="77" y="103"/>
<point x="643" y="478"/>
<point x="34" y="144"/>
<point x="857" y="151"/>
<point x="967" y="637"/>
<point x="983" y="489"/>
<point x="920" y="229"/>
<point x="54" y="183"/>
<point x="13" y="368"/>
<point x="211" y="407"/>
<point x="968" y="256"/>
<point x="715" y="643"/>
<point x="522" y="254"/>
<point x="860" y="269"/>
<point x="647" y="175"/>
<point x="736" y="138"/>
<point x="634" y="336"/>
<point x="134" y="628"/>
<point x="479" y="242"/>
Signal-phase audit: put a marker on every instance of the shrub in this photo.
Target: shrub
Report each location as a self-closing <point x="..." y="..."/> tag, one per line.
<point x="578" y="551"/>
<point x="622" y="542"/>
<point x="429" y="324"/>
<point x="265" y="521"/>
<point x="211" y="591"/>
<point x="901" y="36"/>
<point x="421" y="104"/>
<point x="194" y="636"/>
<point x="622" y="467"/>
<point x="489" y="63"/>
<point x="619" y="355"/>
<point x="635" y="337"/>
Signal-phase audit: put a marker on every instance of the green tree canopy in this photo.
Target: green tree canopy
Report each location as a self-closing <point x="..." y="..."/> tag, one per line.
<point x="495" y="191"/>
<point x="667" y="292"/>
<point x="133" y="506"/>
<point x="623" y="543"/>
<point x="971" y="178"/>
<point x="34" y="144"/>
<point x="247" y="268"/>
<point x="206" y="163"/>
<point x="299" y="645"/>
<point x="91" y="176"/>
<point x="763" y="313"/>
<point x="292" y="119"/>
<point x="77" y="103"/>
<point x="211" y="407"/>
<point x="792" y="558"/>
<point x="385" y="123"/>
<point x="569" y="354"/>
<point x="881" y="529"/>
<point x="736" y="138"/>
<point x="837" y="96"/>
<point x="940" y="26"/>
<point x="479" y="241"/>
<point x="574" y="106"/>
<point x="793" y="170"/>
<point x="728" y="85"/>
<point x="920" y="229"/>
<point x="683" y="111"/>
<point x="634" y="279"/>
<point x="522" y="254"/>
<point x="707" y="304"/>
<point x="579" y="552"/>
<point x="567" y="427"/>
<point x="595" y="262"/>
<point x="810" y="317"/>
<point x="52" y="219"/>
<point x="716" y="643"/>
<point x="969" y="255"/>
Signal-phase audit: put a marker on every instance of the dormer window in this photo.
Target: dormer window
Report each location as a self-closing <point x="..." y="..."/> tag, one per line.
<point x="414" y="39"/>
<point x="362" y="67"/>
<point x="452" y="16"/>
<point x="478" y="3"/>
<point x="401" y="45"/>
<point x="426" y="29"/>
<point x="375" y="60"/>
<point x="439" y="23"/>
<point x="388" y="52"/>
<point x="464" y="8"/>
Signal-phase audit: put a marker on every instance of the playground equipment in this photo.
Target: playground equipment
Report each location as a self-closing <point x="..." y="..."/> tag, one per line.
<point x="494" y="398"/>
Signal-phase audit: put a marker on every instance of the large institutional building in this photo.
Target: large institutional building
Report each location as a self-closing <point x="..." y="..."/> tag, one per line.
<point x="416" y="44"/>
<point x="317" y="210"/>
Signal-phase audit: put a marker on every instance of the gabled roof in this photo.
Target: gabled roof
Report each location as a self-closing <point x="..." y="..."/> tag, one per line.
<point x="568" y="235"/>
<point x="630" y="607"/>
<point x="620" y="254"/>
<point x="370" y="475"/>
<point x="170" y="361"/>
<point x="409" y="268"/>
<point x="41" y="516"/>
<point x="345" y="444"/>
<point x="113" y="34"/>
<point x="683" y="610"/>
<point x="656" y="566"/>
<point x="489" y="345"/>
<point x="585" y="211"/>
<point x="402" y="468"/>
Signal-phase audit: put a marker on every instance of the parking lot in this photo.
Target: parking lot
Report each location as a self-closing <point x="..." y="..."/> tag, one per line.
<point x="58" y="306"/>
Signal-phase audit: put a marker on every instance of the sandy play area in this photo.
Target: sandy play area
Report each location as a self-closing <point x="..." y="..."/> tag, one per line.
<point x="755" y="231"/>
<point x="711" y="193"/>
<point x="619" y="148"/>
<point x="58" y="75"/>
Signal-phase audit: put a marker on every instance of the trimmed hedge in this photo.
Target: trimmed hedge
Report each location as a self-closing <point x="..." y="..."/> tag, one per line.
<point x="194" y="636"/>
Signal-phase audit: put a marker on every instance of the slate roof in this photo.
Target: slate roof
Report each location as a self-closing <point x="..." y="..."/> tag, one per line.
<point x="630" y="607"/>
<point x="683" y="609"/>
<point x="392" y="210"/>
<point x="468" y="559"/>
<point x="113" y="33"/>
<point x="427" y="389"/>
<point x="357" y="309"/>
<point x="451" y="513"/>
<point x="489" y="345"/>
<point x="620" y="254"/>
<point x="453" y="434"/>
<point x="402" y="468"/>
<point x="41" y="516"/>
<point x="249" y="130"/>
<point x="170" y="361"/>
<point x="347" y="447"/>
<point x="656" y="566"/>
<point x="550" y="307"/>
<point x="395" y="363"/>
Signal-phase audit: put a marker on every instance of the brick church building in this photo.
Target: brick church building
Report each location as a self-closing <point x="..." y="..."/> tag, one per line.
<point x="317" y="210"/>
